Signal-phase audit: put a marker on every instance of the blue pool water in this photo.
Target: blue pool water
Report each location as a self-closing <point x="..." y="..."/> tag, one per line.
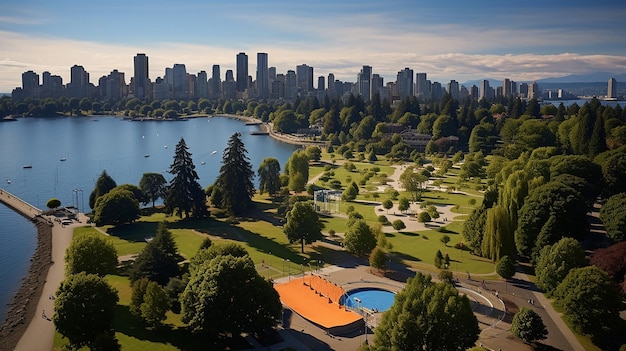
<point x="371" y="298"/>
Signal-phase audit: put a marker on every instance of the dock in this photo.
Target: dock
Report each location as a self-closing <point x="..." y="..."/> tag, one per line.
<point x="20" y="206"/>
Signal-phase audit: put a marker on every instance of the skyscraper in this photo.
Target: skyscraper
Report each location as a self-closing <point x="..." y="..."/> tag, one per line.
<point x="216" y="82"/>
<point x="321" y="83"/>
<point x="30" y="84"/>
<point x="304" y="78"/>
<point x="79" y="82"/>
<point x="291" y="85"/>
<point x="179" y="81"/>
<point x="332" y="92"/>
<point x="453" y="89"/>
<point x="262" y="76"/>
<point x="364" y="81"/>
<point x="141" y="81"/>
<point x="242" y="71"/>
<point x="612" y="89"/>
<point x="404" y="82"/>
<point x="422" y="86"/>
<point x="483" y="90"/>
<point x="202" y="86"/>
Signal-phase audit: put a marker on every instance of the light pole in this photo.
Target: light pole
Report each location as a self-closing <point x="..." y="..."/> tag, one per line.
<point x="288" y="271"/>
<point x="82" y="199"/>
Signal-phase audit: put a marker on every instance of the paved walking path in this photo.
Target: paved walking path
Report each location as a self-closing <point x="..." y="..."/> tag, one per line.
<point x="40" y="332"/>
<point x="22" y="207"/>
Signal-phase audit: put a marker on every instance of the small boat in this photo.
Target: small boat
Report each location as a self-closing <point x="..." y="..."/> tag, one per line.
<point x="213" y="152"/>
<point x="63" y="159"/>
<point x="165" y="147"/>
<point x="27" y="166"/>
<point x="146" y="155"/>
<point x="203" y="163"/>
<point x="8" y="181"/>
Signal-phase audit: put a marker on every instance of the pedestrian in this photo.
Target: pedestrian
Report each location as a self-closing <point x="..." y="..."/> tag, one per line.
<point x="43" y="314"/>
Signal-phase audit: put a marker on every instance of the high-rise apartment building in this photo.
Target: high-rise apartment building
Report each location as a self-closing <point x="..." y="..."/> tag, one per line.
<point x="533" y="91"/>
<point x="115" y="86"/>
<point x="453" y="89"/>
<point x="304" y="78"/>
<point x="321" y="83"/>
<point x="79" y="82"/>
<point x="364" y="83"/>
<point x="612" y="89"/>
<point x="291" y="85"/>
<point x="332" y="91"/>
<point x="141" y="80"/>
<point x="179" y="81"/>
<point x="202" y="85"/>
<point x="52" y="85"/>
<point x="404" y="83"/>
<point x="422" y="86"/>
<point x="272" y="73"/>
<point x="483" y="89"/>
<point x="216" y="82"/>
<point x="378" y="83"/>
<point x="262" y="76"/>
<point x="30" y="84"/>
<point x="242" y="72"/>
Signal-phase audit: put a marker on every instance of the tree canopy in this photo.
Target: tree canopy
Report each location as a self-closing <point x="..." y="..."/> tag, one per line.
<point x="92" y="254"/>
<point x="269" y="176"/>
<point x="613" y="215"/>
<point x="556" y="261"/>
<point x="359" y="238"/>
<point x="227" y="295"/>
<point x="427" y="316"/>
<point x="158" y="260"/>
<point x="303" y="224"/>
<point x="234" y="181"/>
<point x="116" y="207"/>
<point x="528" y="326"/>
<point x="104" y="184"/>
<point x="184" y="194"/>
<point x="84" y="309"/>
<point x="154" y="186"/>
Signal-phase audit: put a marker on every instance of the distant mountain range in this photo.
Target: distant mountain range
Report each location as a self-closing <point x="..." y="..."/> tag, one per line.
<point x="596" y="77"/>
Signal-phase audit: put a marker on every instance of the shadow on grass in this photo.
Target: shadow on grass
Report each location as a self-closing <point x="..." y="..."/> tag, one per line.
<point x="136" y="232"/>
<point x="409" y="233"/>
<point x="403" y="256"/>
<point x="132" y="326"/>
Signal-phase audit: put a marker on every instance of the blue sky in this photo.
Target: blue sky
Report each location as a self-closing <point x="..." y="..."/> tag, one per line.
<point x="448" y="39"/>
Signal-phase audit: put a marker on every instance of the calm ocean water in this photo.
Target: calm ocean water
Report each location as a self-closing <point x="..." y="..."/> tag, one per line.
<point x="88" y="146"/>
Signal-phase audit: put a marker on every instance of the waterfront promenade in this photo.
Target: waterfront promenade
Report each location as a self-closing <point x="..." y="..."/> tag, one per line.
<point x="20" y="206"/>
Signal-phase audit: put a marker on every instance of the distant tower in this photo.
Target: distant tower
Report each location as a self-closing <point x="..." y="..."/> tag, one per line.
<point x="533" y="91"/>
<point x="291" y="85"/>
<point x="216" y="82"/>
<point x="141" y="80"/>
<point x="242" y="71"/>
<point x="262" y="76"/>
<point x="404" y="82"/>
<point x="304" y="76"/>
<point x="506" y="88"/>
<point x="364" y="82"/>
<point x="179" y="81"/>
<point x="331" y="85"/>
<point x="453" y="89"/>
<point x="79" y="82"/>
<point x="321" y="83"/>
<point x="483" y="89"/>
<point x="612" y="89"/>
<point x="30" y="83"/>
<point x="422" y="86"/>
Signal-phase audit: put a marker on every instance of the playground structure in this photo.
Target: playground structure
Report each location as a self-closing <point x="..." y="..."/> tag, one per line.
<point x="327" y="201"/>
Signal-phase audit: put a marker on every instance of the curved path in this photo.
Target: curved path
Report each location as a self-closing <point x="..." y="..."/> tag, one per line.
<point x="40" y="332"/>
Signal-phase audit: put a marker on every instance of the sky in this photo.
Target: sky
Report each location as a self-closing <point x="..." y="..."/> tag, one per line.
<point x="447" y="39"/>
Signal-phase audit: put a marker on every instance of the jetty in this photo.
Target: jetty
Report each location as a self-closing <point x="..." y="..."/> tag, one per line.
<point x="20" y="206"/>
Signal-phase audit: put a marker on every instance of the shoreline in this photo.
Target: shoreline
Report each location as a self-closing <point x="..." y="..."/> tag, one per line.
<point x="23" y="305"/>
<point x="267" y="127"/>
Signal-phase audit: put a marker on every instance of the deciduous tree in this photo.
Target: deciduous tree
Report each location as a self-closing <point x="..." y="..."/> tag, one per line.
<point x="84" y="309"/>
<point x="303" y="224"/>
<point x="104" y="184"/>
<point x="528" y="326"/>
<point x="359" y="239"/>
<point x="506" y="267"/>
<point x="155" y="305"/>
<point x="116" y="207"/>
<point x="413" y="182"/>
<point x="556" y="261"/>
<point x="427" y="316"/>
<point x="269" y="176"/>
<point x="154" y="186"/>
<point x="92" y="254"/>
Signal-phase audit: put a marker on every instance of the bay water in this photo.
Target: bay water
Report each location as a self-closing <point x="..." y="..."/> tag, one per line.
<point x="65" y="155"/>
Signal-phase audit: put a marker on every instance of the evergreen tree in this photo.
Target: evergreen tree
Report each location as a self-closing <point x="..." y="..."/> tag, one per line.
<point x="184" y="194"/>
<point x="158" y="261"/>
<point x="235" y="178"/>
<point x="104" y="184"/>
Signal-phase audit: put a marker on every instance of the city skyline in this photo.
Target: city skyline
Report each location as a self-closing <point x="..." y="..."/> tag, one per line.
<point x="448" y="40"/>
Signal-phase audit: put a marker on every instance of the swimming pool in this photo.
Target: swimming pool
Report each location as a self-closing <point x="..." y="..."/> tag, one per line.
<point x="371" y="298"/>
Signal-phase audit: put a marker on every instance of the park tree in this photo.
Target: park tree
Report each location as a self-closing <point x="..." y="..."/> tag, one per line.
<point x="613" y="170"/>
<point x="387" y="204"/>
<point x="398" y="224"/>
<point x="298" y="170"/>
<point x="556" y="261"/>
<point x="184" y="194"/>
<point x="424" y="217"/>
<point x="506" y="267"/>
<point x="473" y="229"/>
<point x="235" y="178"/>
<point x="227" y="295"/>
<point x="590" y="301"/>
<point x="303" y="224"/>
<point x="104" y="184"/>
<point x="155" y="305"/>
<point x="427" y="316"/>
<point x="135" y="190"/>
<point x="158" y="260"/>
<point x="403" y="204"/>
<point x="84" y="310"/>
<point x="528" y="326"/>
<point x="359" y="239"/>
<point x="269" y="176"/>
<point x="92" y="254"/>
<point x="349" y="194"/>
<point x="498" y="239"/>
<point x="137" y="296"/>
<point x="413" y="182"/>
<point x="154" y="186"/>
<point x="116" y="207"/>
<point x="53" y="203"/>
<point x="612" y="260"/>
<point x="378" y="259"/>
<point x="613" y="216"/>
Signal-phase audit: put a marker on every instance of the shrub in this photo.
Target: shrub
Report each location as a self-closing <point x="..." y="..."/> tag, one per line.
<point x="398" y="224"/>
<point x="383" y="219"/>
<point x="423" y="217"/>
<point x="445" y="239"/>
